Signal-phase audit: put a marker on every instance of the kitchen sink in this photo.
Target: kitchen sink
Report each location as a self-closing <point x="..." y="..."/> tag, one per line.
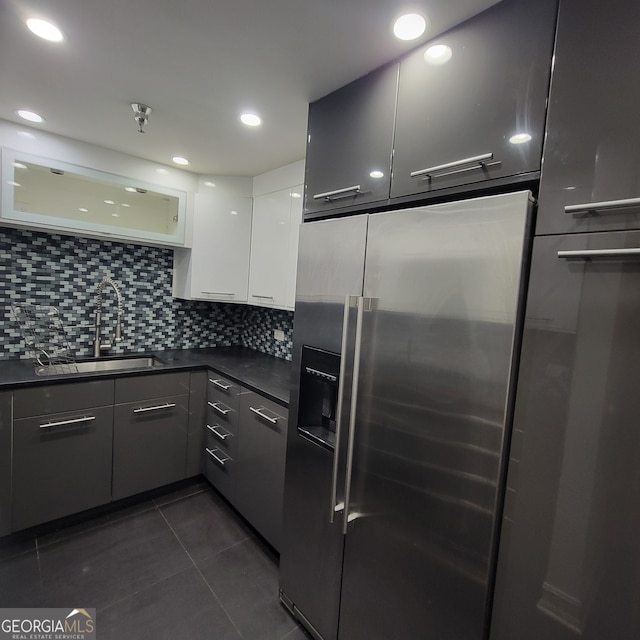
<point x="103" y="364"/>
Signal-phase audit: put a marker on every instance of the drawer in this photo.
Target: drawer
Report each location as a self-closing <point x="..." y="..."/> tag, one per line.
<point x="218" y="436"/>
<point x="223" y="414"/>
<point x="221" y="389"/>
<point x="219" y="469"/>
<point x="58" y="398"/>
<point x="158" y="385"/>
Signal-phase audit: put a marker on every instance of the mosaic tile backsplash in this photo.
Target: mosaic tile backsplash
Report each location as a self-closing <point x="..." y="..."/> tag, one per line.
<point x="62" y="271"/>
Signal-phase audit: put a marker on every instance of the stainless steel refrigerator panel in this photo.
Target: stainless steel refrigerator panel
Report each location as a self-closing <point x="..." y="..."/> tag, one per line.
<point x="330" y="268"/>
<point x="569" y="562"/>
<point x="442" y="292"/>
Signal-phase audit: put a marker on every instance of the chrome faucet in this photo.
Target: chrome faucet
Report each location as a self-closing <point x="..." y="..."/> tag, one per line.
<point x="98" y="345"/>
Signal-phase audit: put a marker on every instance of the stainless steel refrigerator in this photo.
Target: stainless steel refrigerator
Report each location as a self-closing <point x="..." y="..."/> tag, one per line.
<point x="405" y="344"/>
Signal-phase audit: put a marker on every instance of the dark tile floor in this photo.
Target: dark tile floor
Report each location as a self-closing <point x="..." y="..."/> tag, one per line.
<point x="175" y="565"/>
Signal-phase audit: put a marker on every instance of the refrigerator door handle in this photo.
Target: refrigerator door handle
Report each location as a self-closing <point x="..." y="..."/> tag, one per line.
<point x="346" y="518"/>
<point x="337" y="507"/>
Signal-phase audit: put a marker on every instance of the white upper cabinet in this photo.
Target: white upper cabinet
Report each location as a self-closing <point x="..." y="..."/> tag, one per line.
<point x="71" y="199"/>
<point x="274" y="248"/>
<point x="217" y="265"/>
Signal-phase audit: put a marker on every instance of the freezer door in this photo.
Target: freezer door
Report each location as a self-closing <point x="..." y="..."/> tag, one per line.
<point x="569" y="561"/>
<point x="442" y="290"/>
<point x="330" y="269"/>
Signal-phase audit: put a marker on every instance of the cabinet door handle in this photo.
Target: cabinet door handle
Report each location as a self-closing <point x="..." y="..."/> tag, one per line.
<point x="214" y="405"/>
<point x="218" y="293"/>
<point x="158" y="407"/>
<point x="602" y="206"/>
<point x="222" y="436"/>
<point x="220" y="461"/>
<point x="338" y="193"/>
<point x="451" y="165"/>
<point x="60" y="423"/>
<point x="218" y="383"/>
<point x="253" y="295"/>
<point x="264" y="415"/>
<point x="599" y="253"/>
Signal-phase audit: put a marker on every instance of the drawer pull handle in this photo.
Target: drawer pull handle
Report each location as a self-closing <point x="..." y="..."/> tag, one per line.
<point x="214" y="405"/>
<point x="158" y="407"/>
<point x="254" y="295"/>
<point x="222" y="436"/>
<point x="264" y="415"/>
<point x="219" y="383"/>
<point x="60" y="423"/>
<point x="599" y="253"/>
<point x="602" y="206"/>
<point x="220" y="461"/>
<point x="452" y="165"/>
<point x="338" y="193"/>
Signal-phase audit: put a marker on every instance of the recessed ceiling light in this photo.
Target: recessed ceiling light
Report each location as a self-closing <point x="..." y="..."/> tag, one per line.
<point x="108" y="201"/>
<point x="130" y="189"/>
<point x="438" y="54"/>
<point x="19" y="165"/>
<point x="376" y="174"/>
<point x="409" y="26"/>
<point x="520" y="138"/>
<point x="234" y="213"/>
<point x="180" y="160"/>
<point x="251" y="119"/>
<point x="208" y="183"/>
<point x="124" y="204"/>
<point x="13" y="183"/>
<point x="31" y="116"/>
<point x="115" y="215"/>
<point x="83" y="210"/>
<point x="45" y="30"/>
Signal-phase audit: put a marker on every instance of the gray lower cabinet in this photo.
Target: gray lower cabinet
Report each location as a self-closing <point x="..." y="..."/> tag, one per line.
<point x="221" y="434"/>
<point x="61" y="460"/>
<point x="150" y="432"/>
<point x="5" y="463"/>
<point x="260" y="464"/>
<point x="195" y="437"/>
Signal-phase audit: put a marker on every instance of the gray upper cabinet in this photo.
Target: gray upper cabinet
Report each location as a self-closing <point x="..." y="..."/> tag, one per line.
<point x="349" y="144"/>
<point x="591" y="175"/>
<point x="472" y="102"/>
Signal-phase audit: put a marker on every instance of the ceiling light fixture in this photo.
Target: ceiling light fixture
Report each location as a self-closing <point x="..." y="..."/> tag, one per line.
<point x="19" y="165"/>
<point x="45" y="30"/>
<point x="251" y="119"/>
<point x="140" y="115"/>
<point x="180" y="160"/>
<point x="376" y="174"/>
<point x="409" y="26"/>
<point x="31" y="116"/>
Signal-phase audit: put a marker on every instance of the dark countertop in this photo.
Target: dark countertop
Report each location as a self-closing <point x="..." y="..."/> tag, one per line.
<point x="257" y="371"/>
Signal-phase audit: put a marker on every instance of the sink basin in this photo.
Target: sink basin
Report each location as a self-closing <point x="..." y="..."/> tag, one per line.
<point x="103" y="364"/>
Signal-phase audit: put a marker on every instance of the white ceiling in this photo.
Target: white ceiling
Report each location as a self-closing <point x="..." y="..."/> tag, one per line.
<point x="198" y="64"/>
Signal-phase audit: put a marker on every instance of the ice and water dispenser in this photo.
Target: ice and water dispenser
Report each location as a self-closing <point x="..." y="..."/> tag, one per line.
<point x="319" y="378"/>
